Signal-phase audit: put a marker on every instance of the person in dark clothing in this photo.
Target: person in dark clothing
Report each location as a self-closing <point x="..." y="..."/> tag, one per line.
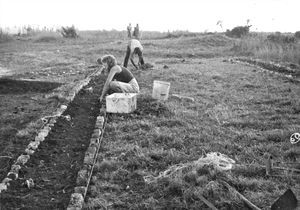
<point x="136" y="32"/>
<point x="129" y="28"/>
<point x="119" y="79"/>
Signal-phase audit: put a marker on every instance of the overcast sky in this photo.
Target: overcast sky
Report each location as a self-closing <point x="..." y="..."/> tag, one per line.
<point x="153" y="15"/>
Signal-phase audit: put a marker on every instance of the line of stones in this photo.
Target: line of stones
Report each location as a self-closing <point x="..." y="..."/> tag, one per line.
<point x="250" y="63"/>
<point x="13" y="174"/>
<point x="90" y="158"/>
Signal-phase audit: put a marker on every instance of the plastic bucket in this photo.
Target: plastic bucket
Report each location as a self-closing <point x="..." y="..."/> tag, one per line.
<point x="160" y="90"/>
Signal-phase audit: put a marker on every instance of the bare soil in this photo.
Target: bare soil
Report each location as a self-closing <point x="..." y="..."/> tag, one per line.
<point x="18" y="108"/>
<point x="54" y="166"/>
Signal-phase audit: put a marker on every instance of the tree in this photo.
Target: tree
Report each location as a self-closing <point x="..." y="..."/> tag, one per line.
<point x="69" y="32"/>
<point x="238" y="31"/>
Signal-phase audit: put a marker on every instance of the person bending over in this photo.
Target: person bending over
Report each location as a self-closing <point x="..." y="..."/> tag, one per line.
<point x="119" y="79"/>
<point x="134" y="47"/>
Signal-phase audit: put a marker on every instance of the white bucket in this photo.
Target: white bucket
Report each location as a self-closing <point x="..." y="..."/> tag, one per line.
<point x="160" y="90"/>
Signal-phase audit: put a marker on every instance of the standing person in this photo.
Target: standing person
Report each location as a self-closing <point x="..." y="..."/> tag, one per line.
<point x="119" y="79"/>
<point x="134" y="47"/>
<point x="129" y="28"/>
<point x="136" y="32"/>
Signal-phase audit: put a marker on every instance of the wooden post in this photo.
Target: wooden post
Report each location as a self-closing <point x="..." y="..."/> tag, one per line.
<point x="233" y="190"/>
<point x="268" y="163"/>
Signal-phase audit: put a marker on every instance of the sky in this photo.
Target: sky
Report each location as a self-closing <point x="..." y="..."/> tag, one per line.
<point x="153" y="15"/>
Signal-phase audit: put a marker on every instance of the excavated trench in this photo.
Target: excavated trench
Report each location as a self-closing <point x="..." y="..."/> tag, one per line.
<point x="48" y="179"/>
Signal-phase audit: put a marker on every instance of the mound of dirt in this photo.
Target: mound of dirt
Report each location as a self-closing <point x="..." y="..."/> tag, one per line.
<point x="147" y="66"/>
<point x="149" y="106"/>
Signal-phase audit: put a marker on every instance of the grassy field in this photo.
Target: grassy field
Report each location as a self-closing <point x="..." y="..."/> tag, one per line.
<point x="238" y="110"/>
<point x="257" y="45"/>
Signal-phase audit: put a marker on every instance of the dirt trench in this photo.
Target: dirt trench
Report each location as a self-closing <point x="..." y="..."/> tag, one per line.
<point x="54" y="166"/>
<point x="21" y="107"/>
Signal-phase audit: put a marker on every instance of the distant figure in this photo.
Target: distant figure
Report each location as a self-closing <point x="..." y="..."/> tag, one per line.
<point x="136" y="32"/>
<point x="119" y="79"/>
<point x="129" y="28"/>
<point x="134" y="47"/>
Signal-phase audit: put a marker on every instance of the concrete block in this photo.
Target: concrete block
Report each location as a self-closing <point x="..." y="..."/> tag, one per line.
<point x="82" y="178"/>
<point x="12" y="175"/>
<point x="96" y="133"/>
<point x="22" y="159"/>
<point x="15" y="168"/>
<point x="33" y="145"/>
<point x="6" y="181"/>
<point x="81" y="190"/>
<point x="3" y="187"/>
<point x="29" y="151"/>
<point x="76" y="202"/>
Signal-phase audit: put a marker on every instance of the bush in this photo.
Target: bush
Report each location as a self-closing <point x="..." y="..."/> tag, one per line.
<point x="281" y="38"/>
<point x="29" y="30"/>
<point x="238" y="31"/>
<point x="46" y="38"/>
<point x="297" y="35"/>
<point x="69" y="32"/>
<point x="4" y="37"/>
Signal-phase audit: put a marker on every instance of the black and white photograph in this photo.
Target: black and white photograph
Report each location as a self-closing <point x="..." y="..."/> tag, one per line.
<point x="149" y="105"/>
